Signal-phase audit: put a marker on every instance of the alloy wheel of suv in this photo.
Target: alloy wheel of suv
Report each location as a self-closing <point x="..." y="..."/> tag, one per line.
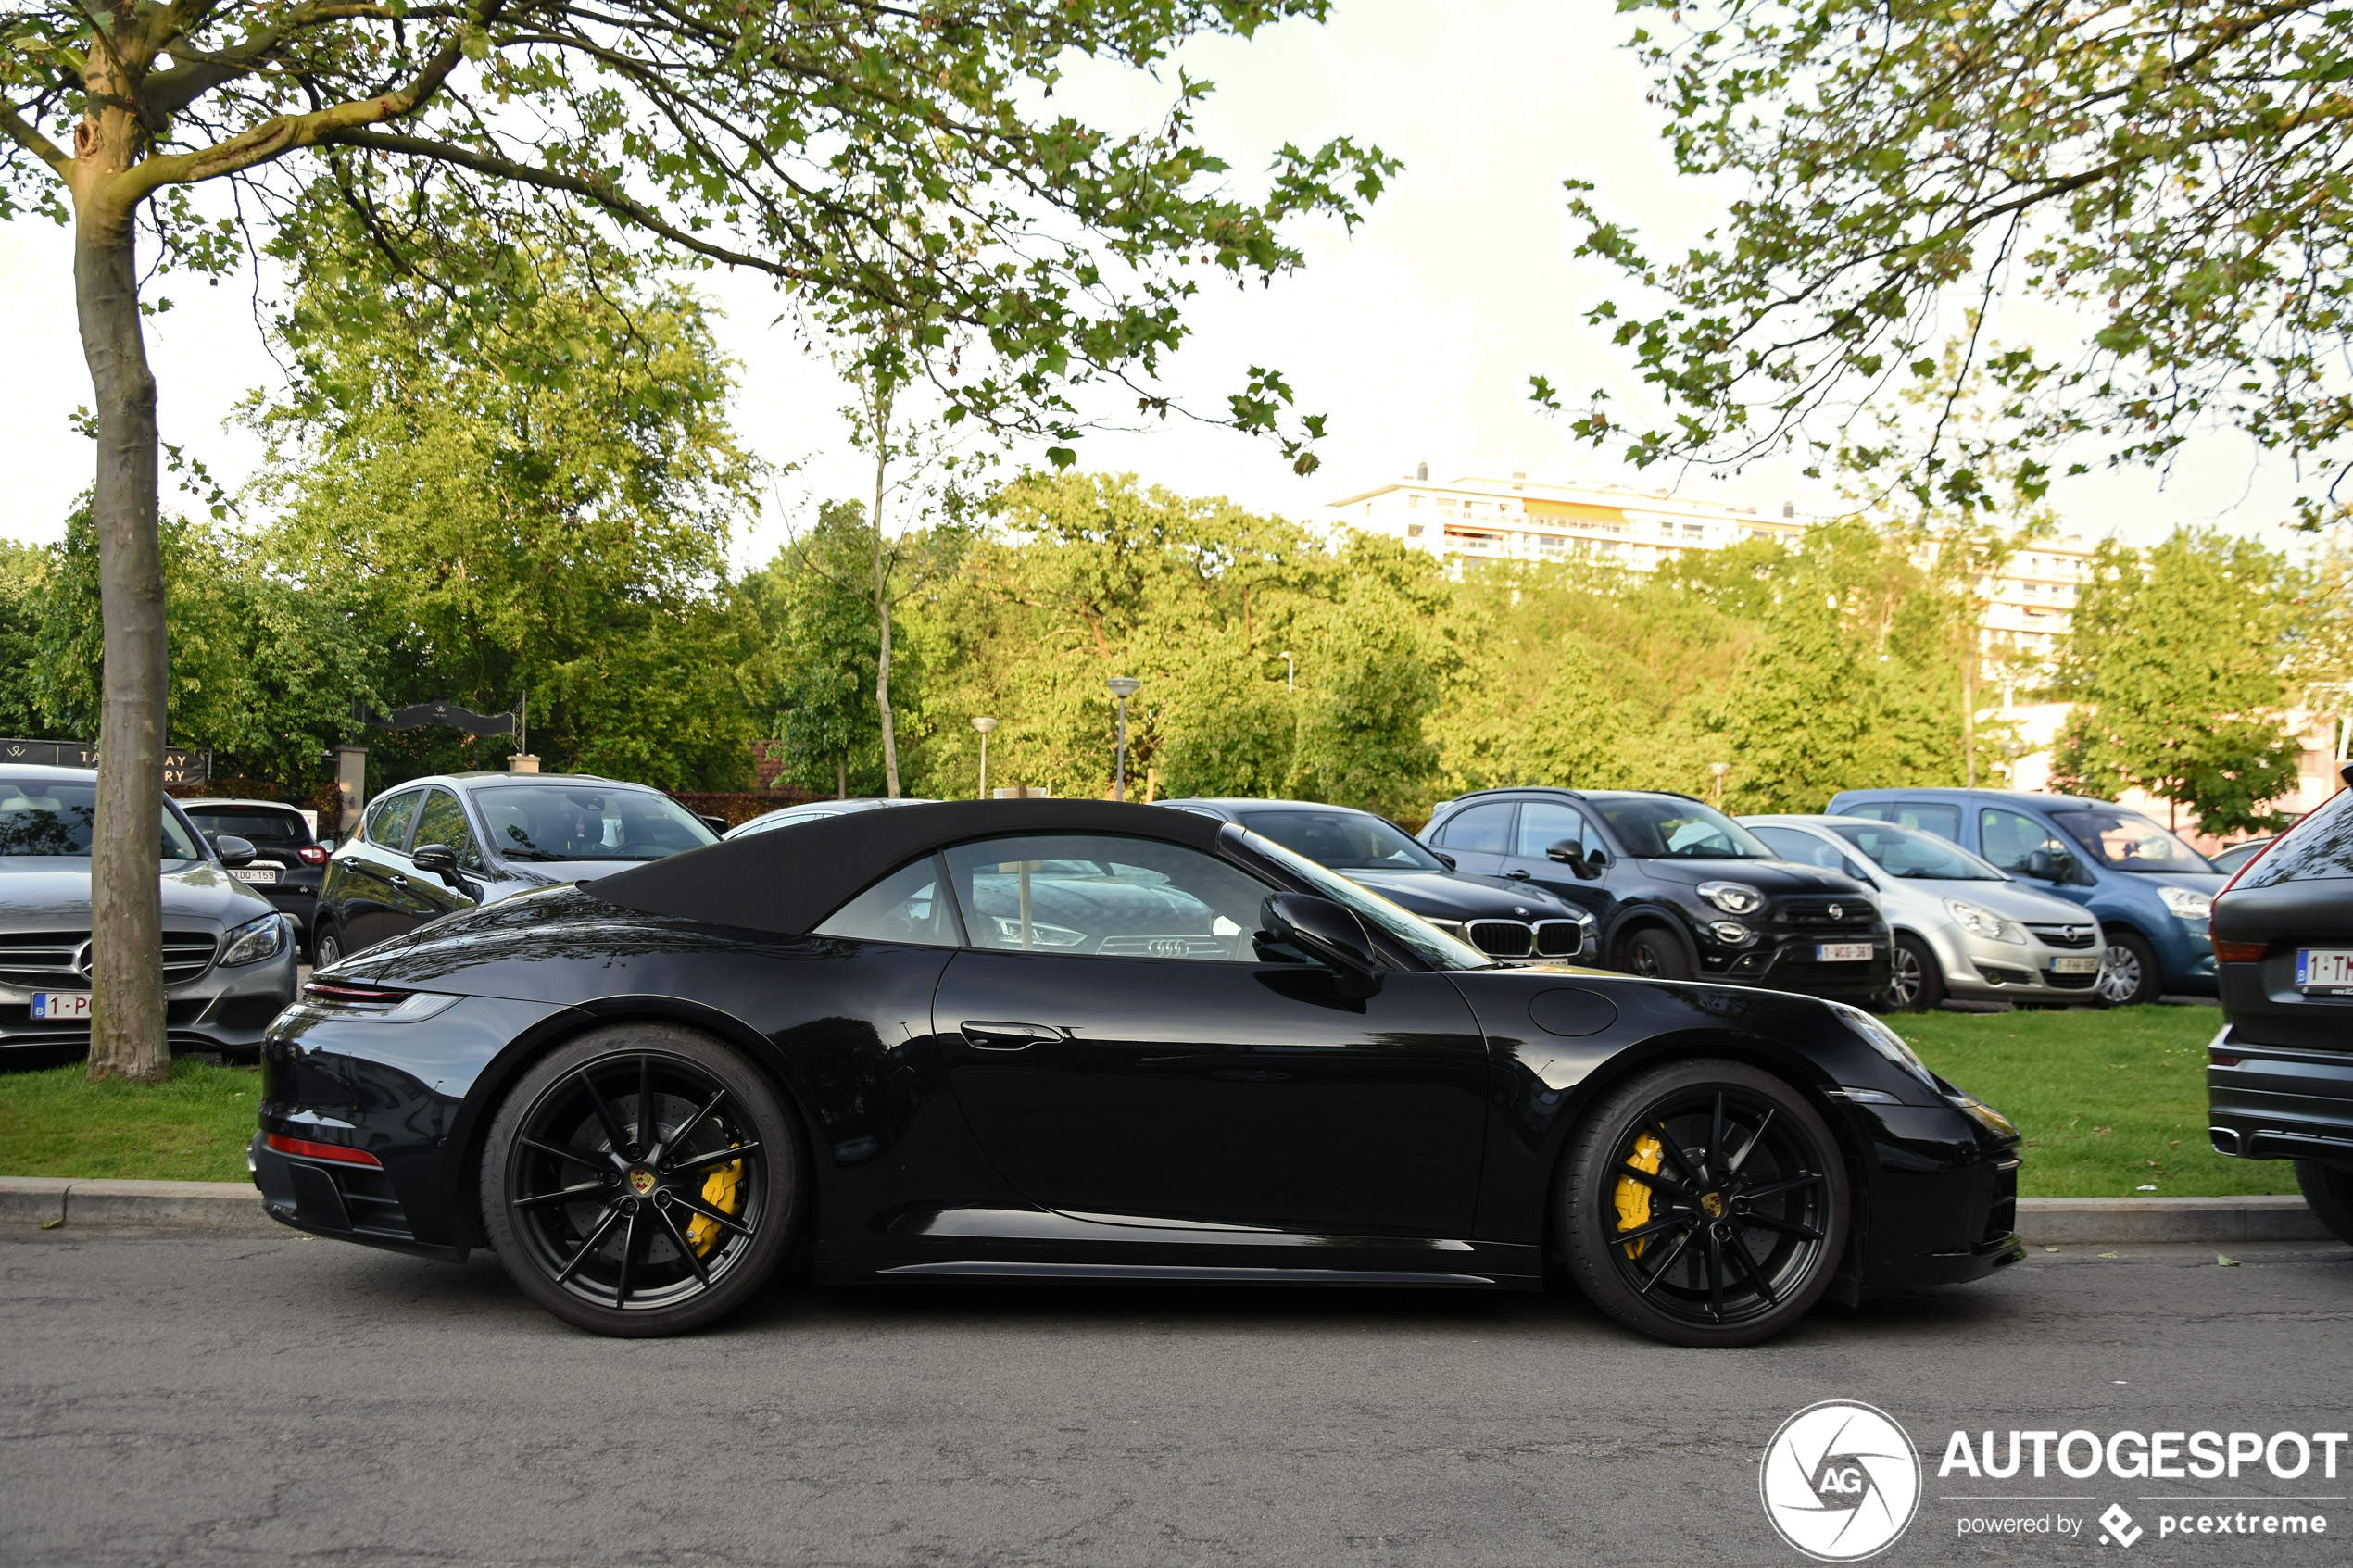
<point x="2129" y="976"/>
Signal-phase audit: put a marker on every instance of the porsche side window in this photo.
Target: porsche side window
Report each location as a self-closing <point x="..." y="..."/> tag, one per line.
<point x="388" y="819"/>
<point x="903" y="907"/>
<point x="1113" y="898"/>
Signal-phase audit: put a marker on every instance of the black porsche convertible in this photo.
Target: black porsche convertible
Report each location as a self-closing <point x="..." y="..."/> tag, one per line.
<point x="1085" y="1041"/>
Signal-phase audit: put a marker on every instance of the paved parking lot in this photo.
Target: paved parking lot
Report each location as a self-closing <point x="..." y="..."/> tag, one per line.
<point x="285" y="1400"/>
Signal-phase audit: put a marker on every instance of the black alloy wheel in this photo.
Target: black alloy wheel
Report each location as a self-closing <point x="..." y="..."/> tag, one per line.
<point x="1655" y="955"/>
<point x="1704" y="1203"/>
<point x="2129" y="974"/>
<point x="1915" y="979"/>
<point x="2328" y="1192"/>
<point x="642" y="1180"/>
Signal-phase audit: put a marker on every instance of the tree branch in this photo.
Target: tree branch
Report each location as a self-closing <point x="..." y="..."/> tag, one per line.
<point x="21" y="131"/>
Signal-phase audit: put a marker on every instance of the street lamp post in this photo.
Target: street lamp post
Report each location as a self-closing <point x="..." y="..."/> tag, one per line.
<point x="1291" y="670"/>
<point x="1121" y="688"/>
<point x="1719" y="769"/>
<point x="984" y="726"/>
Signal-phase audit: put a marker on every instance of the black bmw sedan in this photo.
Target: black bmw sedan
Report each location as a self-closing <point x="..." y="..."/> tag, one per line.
<point x="1502" y="917"/>
<point x="2280" y="1074"/>
<point x="1077" y="1040"/>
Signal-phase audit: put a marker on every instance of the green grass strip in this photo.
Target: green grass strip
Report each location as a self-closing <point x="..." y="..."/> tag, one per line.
<point x="56" y="1123"/>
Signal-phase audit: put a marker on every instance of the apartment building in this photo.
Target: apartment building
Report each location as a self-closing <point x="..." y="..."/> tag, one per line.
<point x="2028" y="607"/>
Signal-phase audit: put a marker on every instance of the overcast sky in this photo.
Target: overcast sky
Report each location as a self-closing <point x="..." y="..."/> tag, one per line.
<point x="1416" y="335"/>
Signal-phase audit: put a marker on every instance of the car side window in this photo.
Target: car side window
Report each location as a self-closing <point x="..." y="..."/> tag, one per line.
<point x="387" y="823"/>
<point x="1923" y="816"/>
<point x="442" y="820"/>
<point x="2320" y="846"/>
<point x="905" y="906"/>
<point x="1483" y="830"/>
<point x="1543" y="823"/>
<point x="2011" y="838"/>
<point x="1113" y="897"/>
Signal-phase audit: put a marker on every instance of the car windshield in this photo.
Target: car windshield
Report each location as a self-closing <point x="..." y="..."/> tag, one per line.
<point x="1432" y="945"/>
<point x="48" y="819"/>
<point x="1679" y="829"/>
<point x="1345" y="841"/>
<point x="587" y="822"/>
<point x="2126" y="841"/>
<point x="1902" y="852"/>
<point x="250" y="824"/>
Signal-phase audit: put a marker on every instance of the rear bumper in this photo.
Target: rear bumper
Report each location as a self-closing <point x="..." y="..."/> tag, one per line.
<point x="343" y="1202"/>
<point x="2276" y="1103"/>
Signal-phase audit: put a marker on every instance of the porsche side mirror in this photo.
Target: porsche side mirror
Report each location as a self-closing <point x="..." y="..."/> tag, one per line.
<point x="716" y="824"/>
<point x="1328" y="933"/>
<point x="233" y="850"/>
<point x="1570" y="853"/>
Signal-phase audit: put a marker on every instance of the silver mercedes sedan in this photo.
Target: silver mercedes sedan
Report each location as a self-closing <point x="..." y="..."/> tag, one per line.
<point x="228" y="954"/>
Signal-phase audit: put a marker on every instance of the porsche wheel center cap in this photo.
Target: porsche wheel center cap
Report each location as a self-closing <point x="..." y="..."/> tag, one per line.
<point x="641" y="1181"/>
<point x="1712" y="1203"/>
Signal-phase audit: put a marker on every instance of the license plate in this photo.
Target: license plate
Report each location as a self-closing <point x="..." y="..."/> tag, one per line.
<point x="1841" y="952"/>
<point x="255" y="873"/>
<point x="61" y="1004"/>
<point x="2325" y="968"/>
<point x="2088" y="963"/>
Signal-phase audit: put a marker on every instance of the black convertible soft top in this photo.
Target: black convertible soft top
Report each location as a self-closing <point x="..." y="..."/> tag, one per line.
<point x="789" y="879"/>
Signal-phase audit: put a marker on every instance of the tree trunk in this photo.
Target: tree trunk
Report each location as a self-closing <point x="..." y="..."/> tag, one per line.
<point x="882" y="611"/>
<point x="127" y="1018"/>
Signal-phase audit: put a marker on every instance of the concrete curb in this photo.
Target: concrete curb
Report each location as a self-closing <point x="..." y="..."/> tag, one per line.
<point x="212" y="1208"/>
<point x="226" y="1207"/>
<point x="2049" y="1222"/>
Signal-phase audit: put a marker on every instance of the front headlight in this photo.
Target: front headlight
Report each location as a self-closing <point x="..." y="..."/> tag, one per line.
<point x="1886" y="1041"/>
<point x="2187" y="904"/>
<point x="1040" y="934"/>
<point x="1733" y="897"/>
<point x="254" y="941"/>
<point x="1980" y="921"/>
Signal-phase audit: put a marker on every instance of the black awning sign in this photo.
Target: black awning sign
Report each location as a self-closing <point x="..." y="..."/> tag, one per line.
<point x="441" y="710"/>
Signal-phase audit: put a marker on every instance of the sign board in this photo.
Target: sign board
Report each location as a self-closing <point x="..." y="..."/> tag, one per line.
<point x="181" y="765"/>
<point x="441" y="710"/>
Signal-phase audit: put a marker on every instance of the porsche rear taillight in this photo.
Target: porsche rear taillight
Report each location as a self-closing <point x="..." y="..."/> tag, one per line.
<point x="335" y="1152"/>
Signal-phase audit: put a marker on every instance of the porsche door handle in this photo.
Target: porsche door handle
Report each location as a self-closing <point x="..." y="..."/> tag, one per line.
<point x="1007" y="1036"/>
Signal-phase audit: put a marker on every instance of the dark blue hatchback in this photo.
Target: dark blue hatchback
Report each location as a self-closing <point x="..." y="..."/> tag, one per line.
<point x="2154" y="894"/>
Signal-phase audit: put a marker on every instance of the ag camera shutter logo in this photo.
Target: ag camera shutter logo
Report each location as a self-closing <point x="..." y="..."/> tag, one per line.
<point x="1840" y="1481"/>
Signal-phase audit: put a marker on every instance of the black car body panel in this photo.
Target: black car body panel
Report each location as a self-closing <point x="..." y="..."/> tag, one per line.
<point x="1173" y="1120"/>
<point x="2280" y="1082"/>
<point x="1807" y="908"/>
<point x="279" y="834"/>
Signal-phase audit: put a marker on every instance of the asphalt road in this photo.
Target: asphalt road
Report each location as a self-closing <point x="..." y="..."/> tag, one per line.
<point x="293" y="1402"/>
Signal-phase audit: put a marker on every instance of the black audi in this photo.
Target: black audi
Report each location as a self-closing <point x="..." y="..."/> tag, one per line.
<point x="1016" y="1041"/>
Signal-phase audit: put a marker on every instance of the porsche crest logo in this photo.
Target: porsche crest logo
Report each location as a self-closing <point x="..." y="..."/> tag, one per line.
<point x="1712" y="1203"/>
<point x="641" y="1181"/>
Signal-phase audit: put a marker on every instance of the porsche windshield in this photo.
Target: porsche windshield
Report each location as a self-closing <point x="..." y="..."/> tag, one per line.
<point x="587" y="822"/>
<point x="46" y="820"/>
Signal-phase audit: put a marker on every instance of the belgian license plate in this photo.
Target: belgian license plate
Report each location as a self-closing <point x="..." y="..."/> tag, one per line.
<point x="2325" y="969"/>
<point x="1841" y="952"/>
<point x="61" y="1004"/>
<point x="255" y="873"/>
<point x="2087" y="963"/>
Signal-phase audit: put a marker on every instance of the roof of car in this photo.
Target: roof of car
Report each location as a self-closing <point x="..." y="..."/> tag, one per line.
<point x="224" y="800"/>
<point x="487" y="776"/>
<point x="43" y="770"/>
<point x="1250" y="803"/>
<point x="1571" y="793"/>
<point x="1952" y="792"/>
<point x="790" y="880"/>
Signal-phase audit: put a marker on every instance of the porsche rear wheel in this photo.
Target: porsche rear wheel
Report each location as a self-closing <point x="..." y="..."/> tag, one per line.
<point x="1704" y="1203"/>
<point x="642" y="1180"/>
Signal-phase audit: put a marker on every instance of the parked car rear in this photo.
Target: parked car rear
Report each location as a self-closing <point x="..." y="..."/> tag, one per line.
<point x="288" y="860"/>
<point x="2279" y="1080"/>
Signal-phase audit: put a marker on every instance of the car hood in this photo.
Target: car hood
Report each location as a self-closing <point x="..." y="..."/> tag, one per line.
<point x="59" y="901"/>
<point x="1766" y="876"/>
<point x="2025" y="905"/>
<point x="1462" y="896"/>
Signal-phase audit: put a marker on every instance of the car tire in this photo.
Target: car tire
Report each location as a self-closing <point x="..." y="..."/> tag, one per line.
<point x="2129" y="976"/>
<point x="1769" y="1243"/>
<point x="1653" y="954"/>
<point x="2328" y="1192"/>
<point x="326" y="947"/>
<point x="1915" y="979"/>
<point x="659" y="1237"/>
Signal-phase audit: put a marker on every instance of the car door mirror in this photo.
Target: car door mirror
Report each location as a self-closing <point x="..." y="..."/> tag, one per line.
<point x="1328" y="933"/>
<point x="1570" y="853"/>
<point x="2040" y="864"/>
<point x="1444" y="858"/>
<point x="233" y="850"/>
<point x="438" y="858"/>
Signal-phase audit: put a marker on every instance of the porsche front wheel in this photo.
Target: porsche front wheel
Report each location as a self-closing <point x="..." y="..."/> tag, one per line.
<point x="1704" y="1203"/>
<point x="642" y="1180"/>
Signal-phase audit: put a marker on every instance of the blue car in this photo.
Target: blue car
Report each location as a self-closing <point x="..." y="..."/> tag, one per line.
<point x="2154" y="894"/>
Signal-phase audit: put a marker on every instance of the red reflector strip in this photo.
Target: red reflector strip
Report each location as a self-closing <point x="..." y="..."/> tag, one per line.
<point x="334" y="1151"/>
<point x="2239" y="952"/>
<point x="330" y="991"/>
<point x="2224" y="1059"/>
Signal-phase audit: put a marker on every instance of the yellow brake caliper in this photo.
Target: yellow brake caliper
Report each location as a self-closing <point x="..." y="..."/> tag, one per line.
<point x="1633" y="1197"/>
<point x="723" y="1192"/>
